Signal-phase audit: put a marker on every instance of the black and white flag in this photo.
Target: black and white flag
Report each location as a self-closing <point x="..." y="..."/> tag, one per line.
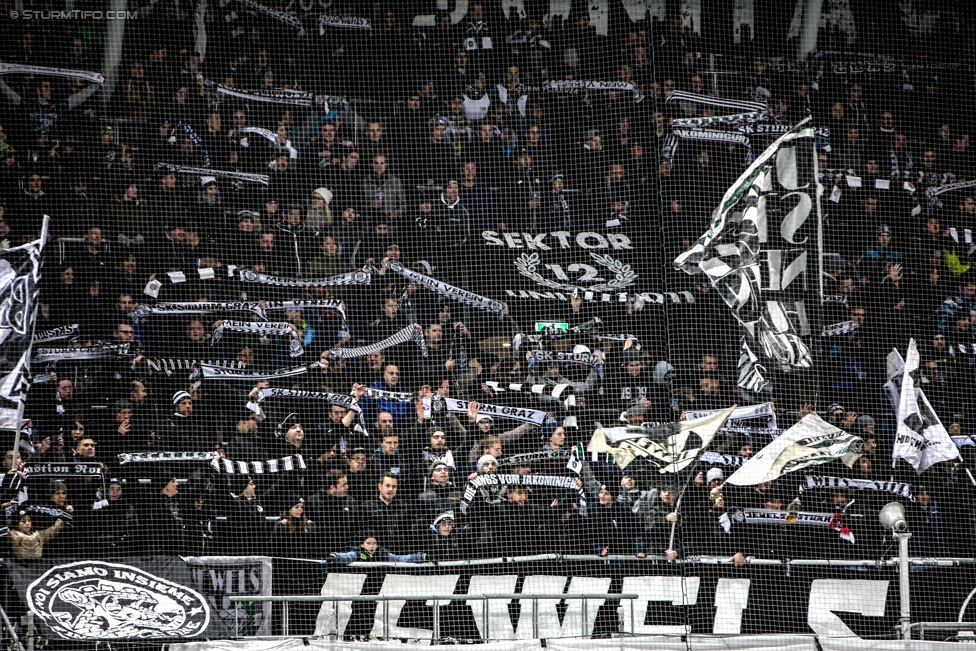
<point x="670" y="447"/>
<point x="759" y="264"/>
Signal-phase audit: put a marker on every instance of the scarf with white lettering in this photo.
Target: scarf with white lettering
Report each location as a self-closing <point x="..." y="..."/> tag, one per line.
<point x="542" y="457"/>
<point x="19" y="69"/>
<point x="553" y="390"/>
<point x="934" y="202"/>
<point x="549" y="481"/>
<point x="714" y="136"/>
<point x="271" y="96"/>
<point x="263" y="329"/>
<point x="271" y="466"/>
<point x="214" y="372"/>
<point x="745" y="412"/>
<point x="44" y="510"/>
<point x="145" y="310"/>
<point x="264" y="179"/>
<point x="101" y="351"/>
<point x="900" y="489"/>
<point x="549" y="356"/>
<point x="62" y="469"/>
<point x="157" y="457"/>
<point x="533" y="416"/>
<point x="197" y="142"/>
<point x="576" y="86"/>
<point x="409" y="333"/>
<point x="838" y="329"/>
<point x="833" y="521"/>
<point x="392" y="396"/>
<point x="338" y="399"/>
<point x="64" y="332"/>
<point x="449" y="291"/>
<point x="277" y="14"/>
<point x="343" y="22"/>
<point x="349" y="278"/>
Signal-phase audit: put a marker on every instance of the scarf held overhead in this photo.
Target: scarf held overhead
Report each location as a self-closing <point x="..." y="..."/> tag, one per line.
<point x="449" y="291"/>
<point x="18" y="69"/>
<point x="291" y="463"/>
<point x="549" y="481"/>
<point x="263" y="329"/>
<point x="338" y="399"/>
<point x="277" y="14"/>
<point x="496" y="411"/>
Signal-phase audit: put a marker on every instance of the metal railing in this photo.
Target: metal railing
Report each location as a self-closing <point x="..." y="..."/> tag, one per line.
<point x="436" y="599"/>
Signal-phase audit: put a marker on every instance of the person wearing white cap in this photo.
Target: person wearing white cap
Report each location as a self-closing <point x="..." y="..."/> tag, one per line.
<point x="179" y="432"/>
<point x="318" y="218"/>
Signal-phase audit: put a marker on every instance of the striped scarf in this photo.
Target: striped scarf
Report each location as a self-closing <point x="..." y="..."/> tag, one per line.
<point x="271" y="466"/>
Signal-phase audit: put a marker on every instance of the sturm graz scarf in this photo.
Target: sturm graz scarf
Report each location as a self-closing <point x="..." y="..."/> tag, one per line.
<point x="838" y="329"/>
<point x="576" y="86"/>
<point x="64" y="332"/>
<point x="280" y="16"/>
<point x="44" y="510"/>
<point x="159" y="457"/>
<point x="264" y="179"/>
<point x="271" y="466"/>
<point x="271" y="96"/>
<point x="169" y="364"/>
<point x="550" y="481"/>
<point x="716" y="458"/>
<point x="725" y="120"/>
<point x="338" y="399"/>
<point x="548" y="356"/>
<point x="212" y="372"/>
<point x="350" y="278"/>
<point x="103" y="351"/>
<point x="533" y="416"/>
<point x="343" y="22"/>
<point x="18" y="69"/>
<point x="409" y="333"/>
<point x="535" y="458"/>
<point x="197" y="141"/>
<point x="554" y="390"/>
<point x="393" y="396"/>
<point x="198" y="308"/>
<point x="900" y="489"/>
<point x="263" y="329"/>
<point x="449" y="291"/>
<point x="714" y="136"/>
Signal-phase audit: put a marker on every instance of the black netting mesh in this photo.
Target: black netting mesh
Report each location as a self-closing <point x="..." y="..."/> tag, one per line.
<point x="653" y="303"/>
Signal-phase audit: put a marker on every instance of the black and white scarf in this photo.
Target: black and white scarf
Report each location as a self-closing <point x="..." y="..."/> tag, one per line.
<point x="264" y="179"/>
<point x="449" y="291"/>
<point x="338" y="399"/>
<point x="717" y="459"/>
<point x="271" y="466"/>
<point x="145" y="310"/>
<point x="713" y="135"/>
<point x="50" y="511"/>
<point x="409" y="333"/>
<point x="62" y="469"/>
<point x="19" y="69"/>
<point x="64" y="332"/>
<point x="723" y="120"/>
<point x="838" y="329"/>
<point x="392" y="396"/>
<point x="555" y="390"/>
<point x="101" y="351"/>
<point x="900" y="489"/>
<point x="718" y="102"/>
<point x="277" y="14"/>
<point x="577" y="86"/>
<point x="549" y="356"/>
<point x="350" y="278"/>
<point x="169" y="364"/>
<point x="343" y="22"/>
<point x="935" y="192"/>
<point x="832" y="521"/>
<point x="197" y="141"/>
<point x="533" y="416"/>
<point x="745" y="412"/>
<point x="159" y="457"/>
<point x="262" y="329"/>
<point x="271" y="96"/>
<point x="543" y="457"/>
<point x="550" y="481"/>
<point x="214" y="372"/>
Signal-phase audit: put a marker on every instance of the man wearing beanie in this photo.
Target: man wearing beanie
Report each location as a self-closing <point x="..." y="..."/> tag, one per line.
<point x="180" y="432"/>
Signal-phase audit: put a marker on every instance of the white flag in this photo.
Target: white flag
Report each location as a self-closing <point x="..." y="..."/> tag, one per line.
<point x="920" y="439"/>
<point x="669" y="448"/>
<point x="810" y="442"/>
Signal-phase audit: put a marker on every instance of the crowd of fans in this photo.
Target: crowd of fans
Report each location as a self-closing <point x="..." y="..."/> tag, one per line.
<point x="457" y="137"/>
